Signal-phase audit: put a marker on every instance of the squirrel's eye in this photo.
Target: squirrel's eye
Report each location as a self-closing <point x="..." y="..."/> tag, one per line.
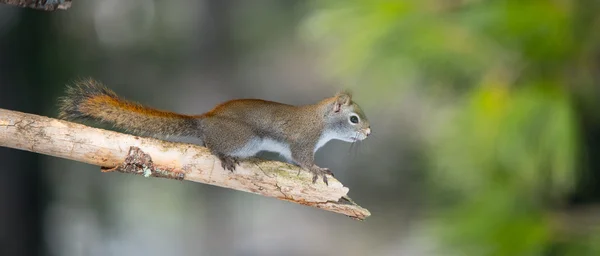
<point x="354" y="119"/>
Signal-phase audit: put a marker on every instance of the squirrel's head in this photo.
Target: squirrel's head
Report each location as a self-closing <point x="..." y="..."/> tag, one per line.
<point x="346" y="119"/>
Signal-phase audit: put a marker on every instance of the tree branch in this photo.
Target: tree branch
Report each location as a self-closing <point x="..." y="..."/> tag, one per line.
<point x="149" y="157"/>
<point x="45" y="5"/>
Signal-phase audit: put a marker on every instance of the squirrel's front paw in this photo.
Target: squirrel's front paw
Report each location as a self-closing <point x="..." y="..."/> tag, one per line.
<point x="229" y="163"/>
<point x="318" y="171"/>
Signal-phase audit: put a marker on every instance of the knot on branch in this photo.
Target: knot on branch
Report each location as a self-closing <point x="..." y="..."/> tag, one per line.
<point x="140" y="163"/>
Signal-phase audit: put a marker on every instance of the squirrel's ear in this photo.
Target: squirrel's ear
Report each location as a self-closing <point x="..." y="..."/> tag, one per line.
<point x="342" y="98"/>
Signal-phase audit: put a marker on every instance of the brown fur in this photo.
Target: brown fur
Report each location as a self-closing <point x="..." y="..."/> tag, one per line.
<point x="226" y="129"/>
<point x="89" y="99"/>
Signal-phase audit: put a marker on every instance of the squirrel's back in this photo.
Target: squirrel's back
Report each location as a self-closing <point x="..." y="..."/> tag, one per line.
<point x="91" y="100"/>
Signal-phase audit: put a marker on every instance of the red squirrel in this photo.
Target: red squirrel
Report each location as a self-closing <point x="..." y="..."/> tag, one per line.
<point x="233" y="130"/>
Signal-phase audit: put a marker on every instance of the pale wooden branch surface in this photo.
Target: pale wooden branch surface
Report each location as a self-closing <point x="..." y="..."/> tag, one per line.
<point x="151" y="157"/>
<point x="46" y="5"/>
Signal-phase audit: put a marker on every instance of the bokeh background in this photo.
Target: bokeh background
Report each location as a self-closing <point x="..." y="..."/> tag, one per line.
<point x="485" y="121"/>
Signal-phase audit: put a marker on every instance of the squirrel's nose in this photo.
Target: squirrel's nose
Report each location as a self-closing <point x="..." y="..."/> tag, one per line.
<point x="368" y="131"/>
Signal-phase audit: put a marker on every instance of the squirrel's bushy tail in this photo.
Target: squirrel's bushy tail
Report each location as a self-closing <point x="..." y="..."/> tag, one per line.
<point x="90" y="100"/>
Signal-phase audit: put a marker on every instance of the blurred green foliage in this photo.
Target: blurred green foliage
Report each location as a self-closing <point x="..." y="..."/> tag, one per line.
<point x="506" y="157"/>
<point x="516" y="136"/>
<point x="505" y="77"/>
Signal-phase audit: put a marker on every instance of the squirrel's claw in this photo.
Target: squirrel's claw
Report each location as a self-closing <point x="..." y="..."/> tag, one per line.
<point x="321" y="172"/>
<point x="229" y="163"/>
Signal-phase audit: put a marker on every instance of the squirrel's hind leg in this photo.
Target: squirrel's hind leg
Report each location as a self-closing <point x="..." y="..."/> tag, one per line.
<point x="229" y="140"/>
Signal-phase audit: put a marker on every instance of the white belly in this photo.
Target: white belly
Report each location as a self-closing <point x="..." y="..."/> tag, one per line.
<point x="257" y="145"/>
<point x="270" y="145"/>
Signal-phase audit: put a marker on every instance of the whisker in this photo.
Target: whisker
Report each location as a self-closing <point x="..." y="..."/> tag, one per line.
<point x="355" y="142"/>
<point x="365" y="147"/>
<point x="350" y="148"/>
